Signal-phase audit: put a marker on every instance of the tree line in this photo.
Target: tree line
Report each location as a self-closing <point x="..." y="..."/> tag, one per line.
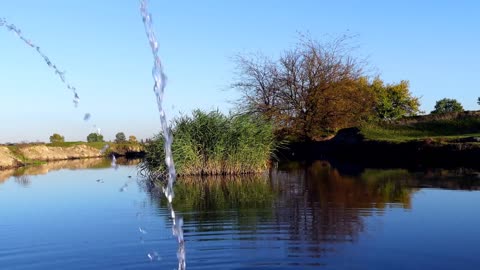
<point x="96" y="137"/>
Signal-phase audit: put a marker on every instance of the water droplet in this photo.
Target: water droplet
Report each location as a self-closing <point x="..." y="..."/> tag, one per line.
<point x="141" y="230"/>
<point x="153" y="256"/>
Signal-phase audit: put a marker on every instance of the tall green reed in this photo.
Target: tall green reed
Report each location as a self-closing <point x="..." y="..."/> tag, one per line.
<point x="211" y="143"/>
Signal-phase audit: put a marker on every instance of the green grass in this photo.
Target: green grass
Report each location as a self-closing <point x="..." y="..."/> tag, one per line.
<point x="212" y="144"/>
<point x="96" y="145"/>
<point x="15" y="150"/>
<point x="439" y="130"/>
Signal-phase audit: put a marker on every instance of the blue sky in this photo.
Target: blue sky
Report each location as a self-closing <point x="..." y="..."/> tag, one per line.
<point x="103" y="48"/>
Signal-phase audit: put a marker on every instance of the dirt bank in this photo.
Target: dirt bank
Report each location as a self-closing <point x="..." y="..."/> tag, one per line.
<point x="8" y="159"/>
<point x="19" y="156"/>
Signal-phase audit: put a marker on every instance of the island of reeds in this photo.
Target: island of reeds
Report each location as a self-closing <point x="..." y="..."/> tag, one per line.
<point x="211" y="143"/>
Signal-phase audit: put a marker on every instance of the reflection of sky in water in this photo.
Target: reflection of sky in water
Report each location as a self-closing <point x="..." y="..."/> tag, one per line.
<point x="67" y="220"/>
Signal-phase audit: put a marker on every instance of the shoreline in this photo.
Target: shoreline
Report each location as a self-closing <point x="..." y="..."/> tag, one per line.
<point x="383" y="154"/>
<point x="26" y="155"/>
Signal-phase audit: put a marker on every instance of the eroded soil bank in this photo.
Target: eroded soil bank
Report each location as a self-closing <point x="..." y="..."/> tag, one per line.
<point x="18" y="156"/>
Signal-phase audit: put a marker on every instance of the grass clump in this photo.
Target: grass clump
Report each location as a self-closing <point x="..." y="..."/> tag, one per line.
<point x="213" y="144"/>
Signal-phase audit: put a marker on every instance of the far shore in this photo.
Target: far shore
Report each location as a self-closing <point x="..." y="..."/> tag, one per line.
<point x="19" y="155"/>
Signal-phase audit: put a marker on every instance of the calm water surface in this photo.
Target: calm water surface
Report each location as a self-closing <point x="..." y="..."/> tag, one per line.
<point x="85" y="215"/>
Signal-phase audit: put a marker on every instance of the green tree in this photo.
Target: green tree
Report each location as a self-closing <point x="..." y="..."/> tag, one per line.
<point x="120" y="137"/>
<point x="56" y="138"/>
<point x="132" y="139"/>
<point x="94" y="137"/>
<point x="392" y="101"/>
<point x="447" y="105"/>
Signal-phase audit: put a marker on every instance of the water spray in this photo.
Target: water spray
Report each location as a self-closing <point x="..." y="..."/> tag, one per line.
<point x="159" y="78"/>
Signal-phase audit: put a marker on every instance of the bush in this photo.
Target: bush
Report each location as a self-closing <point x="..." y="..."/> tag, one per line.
<point x="212" y="143"/>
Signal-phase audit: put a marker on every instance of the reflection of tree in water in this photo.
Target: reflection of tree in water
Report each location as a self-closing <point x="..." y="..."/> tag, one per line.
<point x="323" y="206"/>
<point x="309" y="209"/>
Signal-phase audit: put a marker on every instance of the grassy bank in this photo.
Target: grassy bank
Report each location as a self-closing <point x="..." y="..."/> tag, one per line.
<point x="440" y="129"/>
<point x="121" y="149"/>
<point x="212" y="143"/>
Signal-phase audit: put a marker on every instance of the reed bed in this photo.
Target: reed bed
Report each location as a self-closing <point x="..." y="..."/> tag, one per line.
<point x="211" y="143"/>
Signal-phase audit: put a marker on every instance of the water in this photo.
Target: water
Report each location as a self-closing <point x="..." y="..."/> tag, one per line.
<point x="159" y="89"/>
<point x="314" y="216"/>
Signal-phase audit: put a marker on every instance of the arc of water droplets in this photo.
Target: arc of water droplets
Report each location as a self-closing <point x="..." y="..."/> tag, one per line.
<point x="60" y="74"/>
<point x="159" y="89"/>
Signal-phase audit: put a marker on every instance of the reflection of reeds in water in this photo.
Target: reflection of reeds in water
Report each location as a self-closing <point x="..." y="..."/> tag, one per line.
<point x="222" y="192"/>
<point x="23" y="180"/>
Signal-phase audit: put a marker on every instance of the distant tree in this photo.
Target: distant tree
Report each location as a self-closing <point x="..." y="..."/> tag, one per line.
<point x="478" y="101"/>
<point x="447" y="105"/>
<point x="56" y="138"/>
<point x="392" y="101"/>
<point x="132" y="139"/>
<point x="94" y="137"/>
<point x="120" y="137"/>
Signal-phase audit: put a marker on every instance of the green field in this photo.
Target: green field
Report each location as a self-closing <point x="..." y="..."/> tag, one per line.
<point x="440" y="130"/>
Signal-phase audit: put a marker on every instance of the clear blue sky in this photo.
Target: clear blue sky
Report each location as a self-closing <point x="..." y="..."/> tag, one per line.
<point x="103" y="48"/>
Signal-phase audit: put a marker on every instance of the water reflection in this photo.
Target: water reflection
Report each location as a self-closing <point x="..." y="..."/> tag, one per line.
<point x="298" y="216"/>
<point x="20" y="174"/>
<point x="307" y="210"/>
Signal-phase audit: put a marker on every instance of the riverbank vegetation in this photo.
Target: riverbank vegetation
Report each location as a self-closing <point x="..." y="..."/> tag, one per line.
<point x="211" y="143"/>
<point x="443" y="128"/>
<point x="306" y="95"/>
<point x="316" y="89"/>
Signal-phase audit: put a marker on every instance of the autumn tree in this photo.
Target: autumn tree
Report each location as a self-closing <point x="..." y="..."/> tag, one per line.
<point x="132" y="139"/>
<point x="447" y="105"/>
<point x="56" y="138"/>
<point x="311" y="91"/>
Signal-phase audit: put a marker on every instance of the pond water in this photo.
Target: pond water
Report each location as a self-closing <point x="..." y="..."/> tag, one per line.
<point x="86" y="215"/>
